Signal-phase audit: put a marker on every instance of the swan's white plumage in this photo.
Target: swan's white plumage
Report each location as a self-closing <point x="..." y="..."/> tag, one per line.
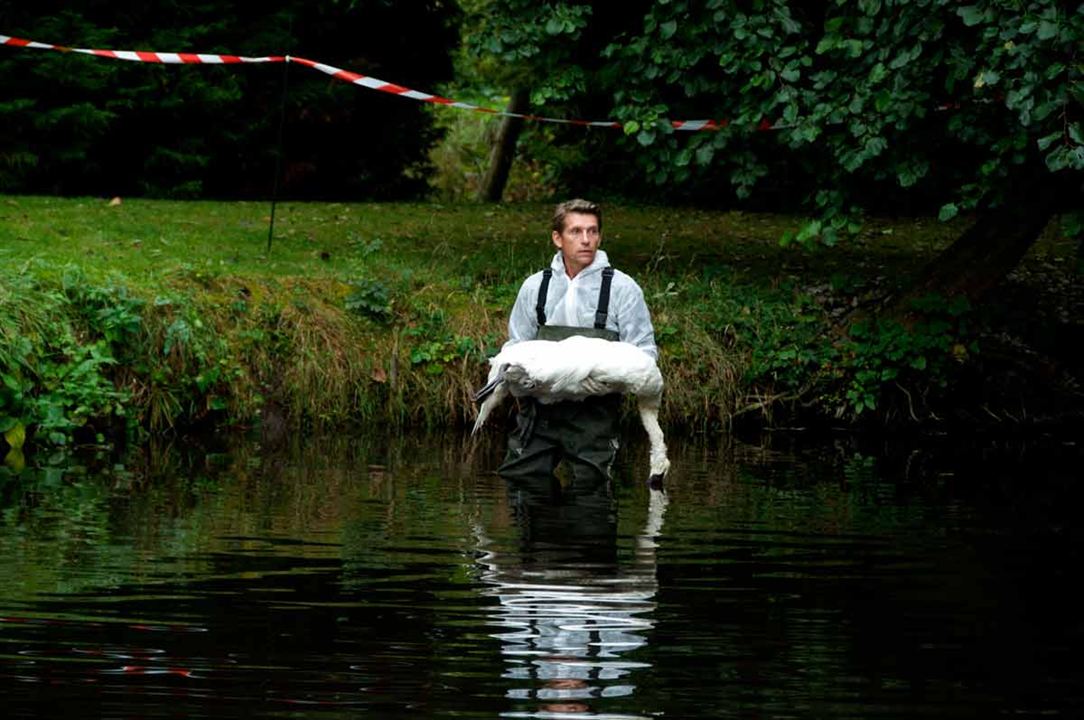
<point x="573" y="369"/>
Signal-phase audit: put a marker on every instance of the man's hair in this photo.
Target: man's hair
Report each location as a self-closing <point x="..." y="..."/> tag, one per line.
<point x="578" y="205"/>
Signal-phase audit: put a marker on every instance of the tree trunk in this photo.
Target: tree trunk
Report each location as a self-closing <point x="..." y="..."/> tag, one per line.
<point x="504" y="149"/>
<point x="989" y="250"/>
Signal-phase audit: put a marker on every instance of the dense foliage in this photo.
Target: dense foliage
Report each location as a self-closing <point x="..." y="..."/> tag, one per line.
<point x="74" y="124"/>
<point x="937" y="104"/>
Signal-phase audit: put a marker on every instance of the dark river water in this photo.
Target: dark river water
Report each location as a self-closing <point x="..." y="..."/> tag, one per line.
<point x="401" y="578"/>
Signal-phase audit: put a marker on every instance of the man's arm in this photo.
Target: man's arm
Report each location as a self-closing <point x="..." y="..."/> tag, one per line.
<point x="634" y="320"/>
<point x="523" y="322"/>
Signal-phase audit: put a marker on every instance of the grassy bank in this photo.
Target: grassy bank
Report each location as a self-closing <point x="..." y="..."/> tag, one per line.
<point x="147" y="315"/>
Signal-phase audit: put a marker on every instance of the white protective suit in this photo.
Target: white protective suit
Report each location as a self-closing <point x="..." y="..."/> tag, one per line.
<point x="573" y="303"/>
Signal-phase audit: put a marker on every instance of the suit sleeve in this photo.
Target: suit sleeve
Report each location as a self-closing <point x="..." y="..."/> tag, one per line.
<point x="634" y="321"/>
<point x="523" y="322"/>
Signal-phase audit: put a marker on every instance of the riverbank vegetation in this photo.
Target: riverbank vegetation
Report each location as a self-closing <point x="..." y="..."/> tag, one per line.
<point x="143" y="316"/>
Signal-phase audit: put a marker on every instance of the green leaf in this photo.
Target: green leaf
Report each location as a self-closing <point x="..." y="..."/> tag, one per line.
<point x="667" y="29"/>
<point x="855" y="47"/>
<point x="16" y="436"/>
<point x="1054" y="70"/>
<point x="948" y="211"/>
<point x="15" y="460"/>
<point x="870" y="7"/>
<point x="828" y="42"/>
<point x="1047" y="30"/>
<point x="875" y="146"/>
<point x="11" y="382"/>
<point x="1048" y="140"/>
<point x="1076" y="133"/>
<point x="971" y="14"/>
<point x="1063" y="157"/>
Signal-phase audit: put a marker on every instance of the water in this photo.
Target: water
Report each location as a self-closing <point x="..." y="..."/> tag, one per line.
<point x="399" y="578"/>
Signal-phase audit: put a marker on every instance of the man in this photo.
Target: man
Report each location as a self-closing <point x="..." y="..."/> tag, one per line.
<point x="579" y="294"/>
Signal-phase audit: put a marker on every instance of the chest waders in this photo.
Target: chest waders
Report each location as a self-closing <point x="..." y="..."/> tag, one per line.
<point x="560" y="332"/>
<point x="583" y="432"/>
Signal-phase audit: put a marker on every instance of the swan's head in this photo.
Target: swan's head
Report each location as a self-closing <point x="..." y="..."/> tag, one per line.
<point x="659" y="467"/>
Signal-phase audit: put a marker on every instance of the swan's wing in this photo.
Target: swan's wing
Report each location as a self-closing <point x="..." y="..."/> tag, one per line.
<point x="566" y="380"/>
<point x="628" y="369"/>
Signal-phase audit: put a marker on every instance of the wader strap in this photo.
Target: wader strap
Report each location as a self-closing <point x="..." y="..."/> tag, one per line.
<point x="560" y="332"/>
<point x="604" y="298"/>
<point x="540" y="308"/>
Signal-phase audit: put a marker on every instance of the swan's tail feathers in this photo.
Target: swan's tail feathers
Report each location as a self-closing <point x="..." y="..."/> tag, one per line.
<point x="483" y="413"/>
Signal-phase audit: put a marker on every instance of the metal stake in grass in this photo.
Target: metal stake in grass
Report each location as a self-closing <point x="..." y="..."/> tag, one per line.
<point x="281" y="133"/>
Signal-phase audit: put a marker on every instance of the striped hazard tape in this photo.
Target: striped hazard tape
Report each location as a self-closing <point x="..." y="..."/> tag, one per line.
<point x="375" y="84"/>
<point x="145" y="56"/>
<point x="352" y="78"/>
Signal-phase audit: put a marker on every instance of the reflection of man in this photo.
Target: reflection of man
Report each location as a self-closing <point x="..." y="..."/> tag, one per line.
<point x="569" y="611"/>
<point x="578" y="294"/>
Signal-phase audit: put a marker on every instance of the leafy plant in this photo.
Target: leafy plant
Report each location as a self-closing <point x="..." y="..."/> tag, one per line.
<point x="433" y="355"/>
<point x="884" y="353"/>
<point x="74" y="388"/>
<point x="371" y="299"/>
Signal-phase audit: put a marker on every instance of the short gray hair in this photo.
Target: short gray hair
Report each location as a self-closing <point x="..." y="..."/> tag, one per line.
<point x="577" y="205"/>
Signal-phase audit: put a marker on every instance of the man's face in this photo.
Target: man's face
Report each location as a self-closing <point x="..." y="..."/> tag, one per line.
<point x="578" y="241"/>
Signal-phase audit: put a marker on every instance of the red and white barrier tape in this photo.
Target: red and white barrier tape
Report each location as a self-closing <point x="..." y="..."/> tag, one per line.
<point x="350" y="77"/>
<point x="375" y="84"/>
<point x="144" y="56"/>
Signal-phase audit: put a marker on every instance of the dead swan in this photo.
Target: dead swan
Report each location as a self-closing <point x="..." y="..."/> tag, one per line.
<point x="575" y="368"/>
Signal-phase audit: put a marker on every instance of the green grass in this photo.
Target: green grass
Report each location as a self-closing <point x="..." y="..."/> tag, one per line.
<point x="145" y="236"/>
<point x="177" y="312"/>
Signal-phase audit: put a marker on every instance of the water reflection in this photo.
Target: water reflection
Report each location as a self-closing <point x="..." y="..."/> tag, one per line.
<point x="572" y="612"/>
<point x="393" y="577"/>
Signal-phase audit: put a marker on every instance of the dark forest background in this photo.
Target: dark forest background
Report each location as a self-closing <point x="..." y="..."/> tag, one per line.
<point x="73" y="124"/>
<point x="885" y="107"/>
